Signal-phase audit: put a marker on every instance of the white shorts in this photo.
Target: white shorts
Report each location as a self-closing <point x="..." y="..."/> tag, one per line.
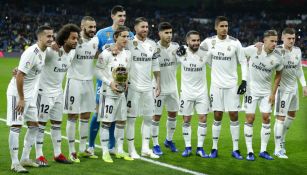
<point x="250" y="104"/>
<point x="29" y="113"/>
<point x="171" y="102"/>
<point x="50" y="108"/>
<point x="140" y="103"/>
<point x="112" y="109"/>
<point x="286" y="101"/>
<point x="200" y="104"/>
<point x="79" y="96"/>
<point x="224" y="99"/>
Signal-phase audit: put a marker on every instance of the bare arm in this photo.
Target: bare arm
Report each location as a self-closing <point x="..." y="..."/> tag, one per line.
<point x="19" y="81"/>
<point x="274" y="90"/>
<point x="158" y="87"/>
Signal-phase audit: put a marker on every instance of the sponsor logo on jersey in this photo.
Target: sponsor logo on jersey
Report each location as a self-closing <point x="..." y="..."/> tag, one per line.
<point x="213" y="42"/>
<point x="229" y="48"/>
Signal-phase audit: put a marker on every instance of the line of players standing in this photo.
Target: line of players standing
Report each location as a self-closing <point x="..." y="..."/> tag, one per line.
<point x="74" y="53"/>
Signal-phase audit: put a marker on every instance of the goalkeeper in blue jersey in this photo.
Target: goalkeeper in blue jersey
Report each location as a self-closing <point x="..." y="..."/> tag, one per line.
<point x="105" y="37"/>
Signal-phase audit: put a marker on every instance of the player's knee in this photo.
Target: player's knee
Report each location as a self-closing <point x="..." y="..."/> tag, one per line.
<point x="203" y="118"/>
<point x="187" y="119"/>
<point x="55" y="122"/>
<point x="280" y="118"/>
<point x="156" y="118"/>
<point x="85" y="116"/>
<point x="218" y="115"/>
<point x="266" y="119"/>
<point x="32" y="123"/>
<point x="250" y="119"/>
<point x="42" y="123"/>
<point x="172" y="114"/>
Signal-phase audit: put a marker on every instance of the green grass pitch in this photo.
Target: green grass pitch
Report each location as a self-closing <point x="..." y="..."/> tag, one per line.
<point x="224" y="164"/>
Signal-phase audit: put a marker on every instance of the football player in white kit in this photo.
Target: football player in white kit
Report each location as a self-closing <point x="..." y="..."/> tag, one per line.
<point x="140" y="98"/>
<point x="114" y="61"/>
<point x="194" y="93"/>
<point x="21" y="98"/>
<point x="262" y="65"/>
<point x="166" y="54"/>
<point x="50" y="92"/>
<point x="287" y="100"/>
<point x="79" y="95"/>
<point x="226" y="52"/>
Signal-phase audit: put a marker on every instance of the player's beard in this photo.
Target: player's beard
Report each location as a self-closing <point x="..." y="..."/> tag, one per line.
<point x="194" y="47"/>
<point x="88" y="34"/>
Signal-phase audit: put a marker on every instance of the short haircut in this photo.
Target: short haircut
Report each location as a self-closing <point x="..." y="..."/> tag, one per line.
<point x="288" y="30"/>
<point x="192" y="32"/>
<point x="220" y="19"/>
<point x="87" y="18"/>
<point x="64" y="32"/>
<point x="41" y="29"/>
<point x="270" y="33"/>
<point x="139" y="20"/>
<point x="164" y="26"/>
<point x="119" y="30"/>
<point x="117" y="8"/>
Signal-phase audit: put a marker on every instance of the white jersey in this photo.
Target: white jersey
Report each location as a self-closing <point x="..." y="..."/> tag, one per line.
<point x="261" y="68"/>
<point x="168" y="67"/>
<point x="82" y="66"/>
<point x="31" y="63"/>
<point x="107" y="62"/>
<point x="53" y="73"/>
<point x="193" y="74"/>
<point x="292" y="69"/>
<point x="142" y="64"/>
<point x="224" y="57"/>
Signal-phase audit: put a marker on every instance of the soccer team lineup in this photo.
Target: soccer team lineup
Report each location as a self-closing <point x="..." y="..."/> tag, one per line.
<point x="137" y="77"/>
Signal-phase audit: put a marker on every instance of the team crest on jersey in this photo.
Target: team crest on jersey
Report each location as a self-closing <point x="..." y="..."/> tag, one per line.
<point x="28" y="64"/>
<point x="108" y="35"/>
<point x="296" y="57"/>
<point x="228" y="48"/>
<point x="158" y="50"/>
<point x="283" y="51"/>
<point x="94" y="46"/>
<point x="213" y="42"/>
<point x="135" y="43"/>
<point x="272" y="62"/>
<point x="40" y="57"/>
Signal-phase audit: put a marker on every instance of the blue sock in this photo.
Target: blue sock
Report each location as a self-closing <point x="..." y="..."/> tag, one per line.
<point x="111" y="137"/>
<point x="94" y="127"/>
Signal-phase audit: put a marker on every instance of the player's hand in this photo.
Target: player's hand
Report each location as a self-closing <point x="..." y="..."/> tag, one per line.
<point x="181" y="51"/>
<point x="305" y="91"/>
<point x="272" y="99"/>
<point x="157" y="90"/>
<point x="55" y="46"/>
<point x="14" y="72"/>
<point x="242" y="88"/>
<point x="20" y="106"/>
<point x="114" y="88"/>
<point x="259" y="45"/>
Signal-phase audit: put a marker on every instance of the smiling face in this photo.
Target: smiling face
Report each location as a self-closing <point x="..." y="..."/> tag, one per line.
<point x="288" y="40"/>
<point x="141" y="29"/>
<point x="46" y="38"/>
<point x="193" y="42"/>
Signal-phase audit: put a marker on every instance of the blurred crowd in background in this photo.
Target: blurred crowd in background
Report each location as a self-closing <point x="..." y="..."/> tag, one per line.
<point x="18" y="22"/>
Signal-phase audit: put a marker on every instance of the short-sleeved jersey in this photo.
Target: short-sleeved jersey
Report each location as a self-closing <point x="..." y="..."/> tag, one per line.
<point x="292" y="68"/>
<point x="168" y="67"/>
<point x="31" y="63"/>
<point x="193" y="73"/>
<point x="107" y="62"/>
<point x="53" y="73"/>
<point x="224" y="57"/>
<point x="261" y="68"/>
<point x="82" y="66"/>
<point x="143" y="63"/>
<point x="105" y="36"/>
